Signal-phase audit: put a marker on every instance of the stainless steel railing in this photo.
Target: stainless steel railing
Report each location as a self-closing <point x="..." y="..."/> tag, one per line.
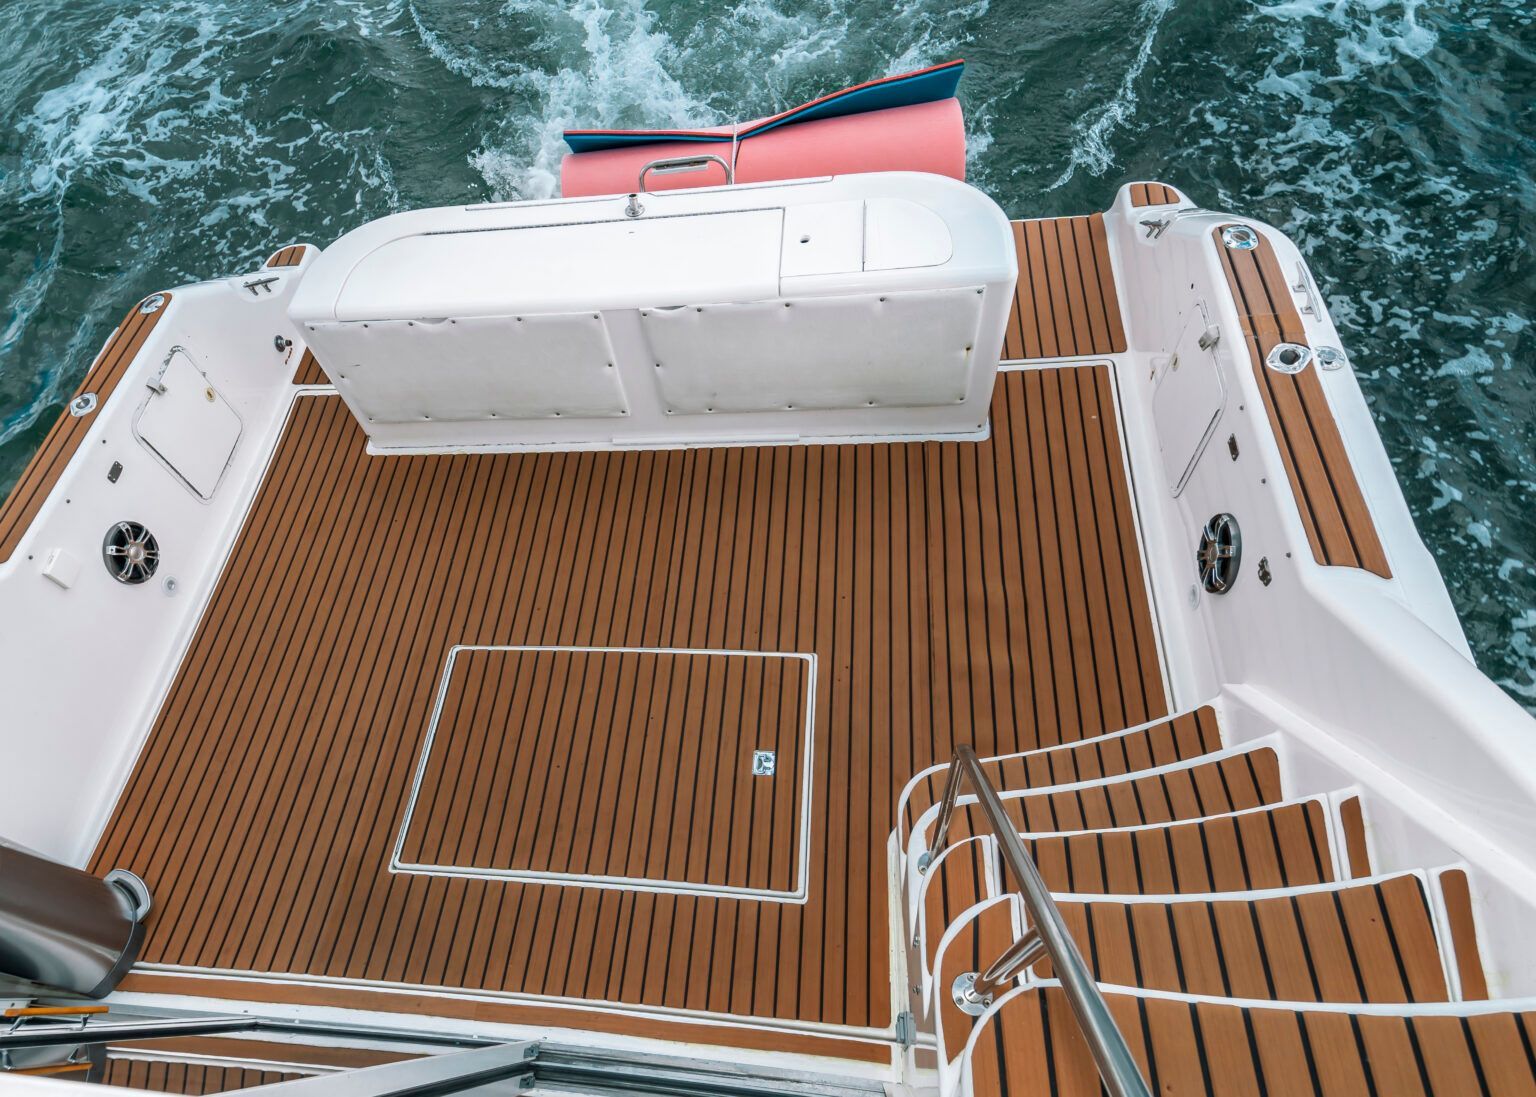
<point x="1047" y="936"/>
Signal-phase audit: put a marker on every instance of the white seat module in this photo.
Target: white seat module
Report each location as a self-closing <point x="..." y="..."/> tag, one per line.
<point x="859" y="307"/>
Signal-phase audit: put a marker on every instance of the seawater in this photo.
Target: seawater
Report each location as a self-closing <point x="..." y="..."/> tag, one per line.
<point x="146" y="145"/>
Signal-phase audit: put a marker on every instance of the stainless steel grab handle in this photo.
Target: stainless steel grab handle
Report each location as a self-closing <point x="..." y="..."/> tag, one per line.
<point x="1049" y="934"/>
<point x="675" y="164"/>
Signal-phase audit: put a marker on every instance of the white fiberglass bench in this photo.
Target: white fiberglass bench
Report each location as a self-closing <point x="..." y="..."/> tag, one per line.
<point x="856" y="307"/>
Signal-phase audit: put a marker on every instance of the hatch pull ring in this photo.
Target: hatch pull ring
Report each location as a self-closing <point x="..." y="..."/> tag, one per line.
<point x="1220" y="554"/>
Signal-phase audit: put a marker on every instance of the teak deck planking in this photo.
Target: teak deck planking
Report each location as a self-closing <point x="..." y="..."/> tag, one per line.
<point x="1334" y="513"/>
<point x="989" y="593"/>
<point x="1065" y="304"/>
<point x="309" y="371"/>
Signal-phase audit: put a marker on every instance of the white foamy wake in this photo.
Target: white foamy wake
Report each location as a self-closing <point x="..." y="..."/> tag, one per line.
<point x="616" y="69"/>
<point x="86" y="123"/>
<point x="1091" y="134"/>
<point x="1370" y="33"/>
<point x="148" y="115"/>
<point x="611" y="63"/>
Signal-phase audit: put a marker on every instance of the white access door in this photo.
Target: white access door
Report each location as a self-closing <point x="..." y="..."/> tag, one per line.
<point x="187" y="425"/>
<point x="1187" y="399"/>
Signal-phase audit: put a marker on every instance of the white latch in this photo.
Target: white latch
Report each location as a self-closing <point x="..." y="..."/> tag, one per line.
<point x="61" y="567"/>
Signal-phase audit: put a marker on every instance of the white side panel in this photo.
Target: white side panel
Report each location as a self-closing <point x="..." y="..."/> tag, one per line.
<point x="873" y="350"/>
<point x="1187" y="399"/>
<point x="188" y="425"/>
<point x="560" y="268"/>
<point x="474" y="369"/>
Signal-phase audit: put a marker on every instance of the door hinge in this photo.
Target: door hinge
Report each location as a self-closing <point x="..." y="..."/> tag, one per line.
<point x="906" y="1028"/>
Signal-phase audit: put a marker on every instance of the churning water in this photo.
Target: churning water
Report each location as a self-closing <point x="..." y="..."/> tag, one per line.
<point x="142" y="145"/>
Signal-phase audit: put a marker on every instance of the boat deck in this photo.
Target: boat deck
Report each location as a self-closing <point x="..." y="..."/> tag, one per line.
<point x="631" y="628"/>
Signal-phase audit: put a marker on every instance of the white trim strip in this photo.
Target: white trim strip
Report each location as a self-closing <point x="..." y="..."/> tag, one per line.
<point x="1251" y="896"/>
<point x="581" y="1005"/>
<point x="193" y="1059"/>
<point x="1374" y="1009"/>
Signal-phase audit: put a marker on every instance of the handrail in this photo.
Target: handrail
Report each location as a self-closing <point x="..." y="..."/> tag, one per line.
<point x="671" y="165"/>
<point x="973" y="992"/>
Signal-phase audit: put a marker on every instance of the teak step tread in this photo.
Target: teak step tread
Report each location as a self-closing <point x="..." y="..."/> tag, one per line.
<point x="1179" y="739"/>
<point x="1352" y="825"/>
<point x="954" y="883"/>
<point x="1282" y="846"/>
<point x="1368" y="943"/>
<point x="1065" y="304"/>
<point x="976" y="945"/>
<point x="1333" y="508"/>
<point x="1234" y="783"/>
<point x="1219" y="1050"/>
<point x="1456" y="890"/>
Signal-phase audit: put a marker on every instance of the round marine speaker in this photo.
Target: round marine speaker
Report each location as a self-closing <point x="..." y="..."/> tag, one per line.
<point x="130" y="552"/>
<point x="1220" y="554"/>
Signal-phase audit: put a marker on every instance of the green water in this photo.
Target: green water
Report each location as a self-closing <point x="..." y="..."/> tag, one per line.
<point x="146" y="145"/>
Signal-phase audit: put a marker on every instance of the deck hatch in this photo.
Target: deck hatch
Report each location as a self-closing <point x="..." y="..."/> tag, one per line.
<point x="634" y="768"/>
